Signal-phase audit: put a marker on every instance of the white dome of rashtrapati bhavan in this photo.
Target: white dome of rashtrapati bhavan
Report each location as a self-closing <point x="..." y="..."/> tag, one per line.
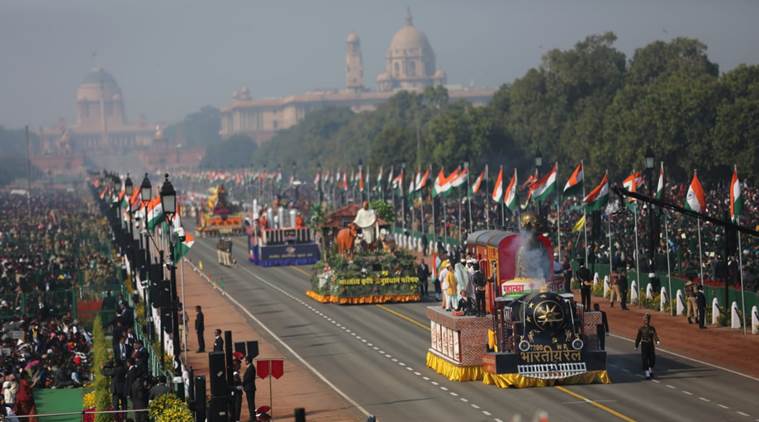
<point x="410" y="64"/>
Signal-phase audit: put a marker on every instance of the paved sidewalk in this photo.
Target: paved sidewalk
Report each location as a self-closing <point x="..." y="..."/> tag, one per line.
<point x="297" y="388"/>
<point x="719" y="346"/>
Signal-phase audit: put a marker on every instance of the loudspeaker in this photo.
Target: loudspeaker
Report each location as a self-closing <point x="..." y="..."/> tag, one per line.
<point x="252" y="349"/>
<point x="217" y="372"/>
<point x="200" y="399"/>
<point x="240" y="347"/>
<point x="218" y="410"/>
<point x="228" y="346"/>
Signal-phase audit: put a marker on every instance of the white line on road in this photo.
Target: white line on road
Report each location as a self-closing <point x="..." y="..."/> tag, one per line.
<point x="289" y="349"/>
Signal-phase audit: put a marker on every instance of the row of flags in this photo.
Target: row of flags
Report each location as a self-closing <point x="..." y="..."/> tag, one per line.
<point x="537" y="188"/>
<point x="152" y="213"/>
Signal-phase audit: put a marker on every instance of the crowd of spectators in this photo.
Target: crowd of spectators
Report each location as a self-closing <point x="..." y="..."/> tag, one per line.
<point x="48" y="256"/>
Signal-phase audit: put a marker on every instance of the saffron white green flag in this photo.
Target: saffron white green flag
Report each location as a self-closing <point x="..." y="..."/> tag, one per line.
<point x="478" y="181"/>
<point x="660" y="183"/>
<point x="510" y="197"/>
<point x="695" y="199"/>
<point x="599" y="196"/>
<point x="576" y="179"/>
<point x="544" y="187"/>
<point x="736" y="197"/>
<point x="498" y="187"/>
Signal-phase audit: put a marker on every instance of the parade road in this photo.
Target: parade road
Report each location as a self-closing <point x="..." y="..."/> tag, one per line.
<point x="375" y="355"/>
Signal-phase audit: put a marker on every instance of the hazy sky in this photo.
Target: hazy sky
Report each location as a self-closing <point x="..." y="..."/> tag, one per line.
<point x="171" y="57"/>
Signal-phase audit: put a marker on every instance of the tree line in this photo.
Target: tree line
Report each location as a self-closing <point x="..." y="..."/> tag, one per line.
<point x="589" y="103"/>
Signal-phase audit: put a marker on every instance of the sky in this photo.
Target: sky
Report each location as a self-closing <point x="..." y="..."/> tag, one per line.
<point x="172" y="57"/>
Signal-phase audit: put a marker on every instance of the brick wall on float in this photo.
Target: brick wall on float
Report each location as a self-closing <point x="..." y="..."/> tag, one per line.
<point x="460" y="339"/>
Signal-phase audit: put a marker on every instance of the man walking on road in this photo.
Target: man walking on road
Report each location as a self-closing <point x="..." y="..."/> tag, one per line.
<point x="423" y="272"/>
<point x="200" y="326"/>
<point x="249" y="386"/>
<point x="647" y="339"/>
<point x="701" y="306"/>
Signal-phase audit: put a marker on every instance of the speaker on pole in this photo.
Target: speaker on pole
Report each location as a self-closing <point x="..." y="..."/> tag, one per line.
<point x="252" y="349"/>
<point x="217" y="372"/>
<point x="200" y="398"/>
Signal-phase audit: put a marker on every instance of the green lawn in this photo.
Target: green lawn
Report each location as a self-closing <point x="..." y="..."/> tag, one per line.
<point x="59" y="401"/>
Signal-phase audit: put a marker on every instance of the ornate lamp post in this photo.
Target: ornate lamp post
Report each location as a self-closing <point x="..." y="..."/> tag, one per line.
<point x="319" y="185"/>
<point x="169" y="205"/>
<point x="146" y="192"/>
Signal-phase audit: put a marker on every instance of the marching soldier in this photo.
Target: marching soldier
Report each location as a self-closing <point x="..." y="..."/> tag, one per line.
<point x="645" y="339"/>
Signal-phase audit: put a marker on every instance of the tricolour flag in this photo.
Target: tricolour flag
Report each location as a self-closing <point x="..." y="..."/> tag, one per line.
<point x="660" y="183"/>
<point x="155" y="212"/>
<point x="478" y="181"/>
<point x="440" y="187"/>
<point x="183" y="247"/>
<point x="736" y="197"/>
<point x="379" y="176"/>
<point x="631" y="183"/>
<point x="422" y="181"/>
<point x="575" y="182"/>
<point x="599" y="196"/>
<point x="510" y="197"/>
<point x="544" y="187"/>
<point x="398" y="181"/>
<point x="498" y="187"/>
<point x="360" y="176"/>
<point x="695" y="199"/>
<point x="461" y="175"/>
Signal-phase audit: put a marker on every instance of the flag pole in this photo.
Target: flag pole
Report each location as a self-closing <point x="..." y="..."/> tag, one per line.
<point x="584" y="216"/>
<point x="459" y="201"/>
<point x="558" y="214"/>
<point x="421" y="209"/>
<point x="434" y="227"/>
<point x="368" y="187"/>
<point x="637" y="253"/>
<point x="700" y="258"/>
<point x="500" y="202"/>
<point x="669" y="270"/>
<point x="487" y="199"/>
<point x="740" y="271"/>
<point x="611" y="260"/>
<point x="469" y="198"/>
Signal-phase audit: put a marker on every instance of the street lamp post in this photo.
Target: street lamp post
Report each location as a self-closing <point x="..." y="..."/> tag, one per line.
<point x="538" y="165"/>
<point x="319" y="185"/>
<point x="146" y="192"/>
<point x="128" y="189"/>
<point x="649" y="162"/>
<point x="169" y="205"/>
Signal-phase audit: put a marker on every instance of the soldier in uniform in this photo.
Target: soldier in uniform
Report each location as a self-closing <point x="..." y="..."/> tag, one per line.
<point x="690" y="301"/>
<point x="645" y="339"/>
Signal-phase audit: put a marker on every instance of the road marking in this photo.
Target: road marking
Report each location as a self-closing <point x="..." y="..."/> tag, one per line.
<point x="656" y="381"/>
<point x="286" y="346"/>
<point x="671" y="386"/>
<point x="474" y="405"/>
<point x="722" y="406"/>
<point x="743" y="414"/>
<point x="486" y="413"/>
<point x="464" y="400"/>
<point x="687" y="392"/>
<point x="704" y="399"/>
<point x="605" y="408"/>
<point x="404" y="317"/>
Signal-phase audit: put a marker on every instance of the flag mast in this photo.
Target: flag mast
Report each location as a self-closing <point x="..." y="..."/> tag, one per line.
<point x="584" y="216"/>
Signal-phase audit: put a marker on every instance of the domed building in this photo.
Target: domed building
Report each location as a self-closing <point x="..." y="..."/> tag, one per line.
<point x="409" y="61"/>
<point x="102" y="135"/>
<point x="410" y="64"/>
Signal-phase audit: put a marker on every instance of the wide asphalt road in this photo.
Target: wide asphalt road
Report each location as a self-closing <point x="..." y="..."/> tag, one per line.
<point x="375" y="355"/>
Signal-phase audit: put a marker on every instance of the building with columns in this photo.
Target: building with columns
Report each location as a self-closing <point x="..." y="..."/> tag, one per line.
<point x="410" y="64"/>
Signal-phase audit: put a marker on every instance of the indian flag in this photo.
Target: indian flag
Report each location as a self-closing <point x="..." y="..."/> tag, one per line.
<point x="498" y="187"/>
<point x="411" y="186"/>
<point x="183" y="248"/>
<point x="478" y="181"/>
<point x="398" y="181"/>
<point x="441" y="185"/>
<point x="544" y="187"/>
<point x="360" y="176"/>
<point x="510" y="197"/>
<point x="660" y="183"/>
<point x="695" y="199"/>
<point x="421" y="182"/>
<point x="598" y="198"/>
<point x="461" y="176"/>
<point x="379" y="176"/>
<point x="736" y="197"/>
<point x="574" y="184"/>
<point x="631" y="183"/>
<point x="155" y="213"/>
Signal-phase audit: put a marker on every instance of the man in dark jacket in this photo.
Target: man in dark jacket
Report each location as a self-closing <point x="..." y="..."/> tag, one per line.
<point x="602" y="329"/>
<point x="478" y="279"/>
<point x="701" y="306"/>
<point x="249" y="386"/>
<point x="116" y="371"/>
<point x="585" y="278"/>
<point x="647" y="339"/>
<point x="200" y="326"/>
<point x="218" y="342"/>
<point x="423" y="273"/>
<point x="135" y="387"/>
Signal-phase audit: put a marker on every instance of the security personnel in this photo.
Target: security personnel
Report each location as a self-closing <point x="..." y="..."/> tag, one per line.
<point x="585" y="278"/>
<point x="478" y="279"/>
<point x="218" y="342"/>
<point x="645" y="339"/>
